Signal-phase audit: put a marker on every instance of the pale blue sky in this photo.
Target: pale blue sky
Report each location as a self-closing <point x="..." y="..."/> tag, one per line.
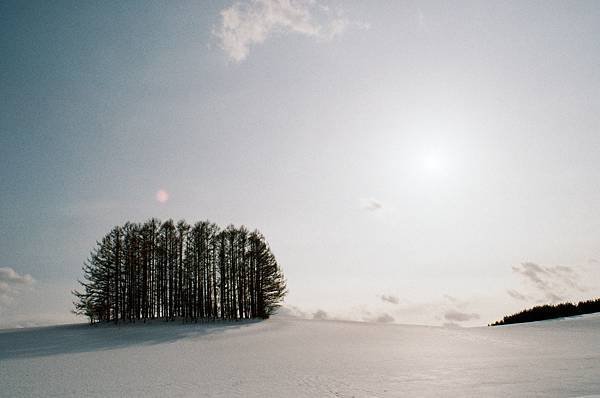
<point x="418" y="150"/>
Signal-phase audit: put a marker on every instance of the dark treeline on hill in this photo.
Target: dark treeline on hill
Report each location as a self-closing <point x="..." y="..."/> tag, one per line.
<point x="178" y="271"/>
<point x="544" y="312"/>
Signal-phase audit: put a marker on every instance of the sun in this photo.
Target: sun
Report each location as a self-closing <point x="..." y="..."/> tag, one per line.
<point x="433" y="162"/>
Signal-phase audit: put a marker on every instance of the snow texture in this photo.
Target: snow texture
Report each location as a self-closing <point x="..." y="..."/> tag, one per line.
<point x="302" y="358"/>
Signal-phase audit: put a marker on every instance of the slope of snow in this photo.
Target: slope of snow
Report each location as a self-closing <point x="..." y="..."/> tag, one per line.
<point x="302" y="358"/>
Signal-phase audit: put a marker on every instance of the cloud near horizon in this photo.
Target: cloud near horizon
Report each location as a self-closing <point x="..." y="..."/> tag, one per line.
<point x="458" y="316"/>
<point x="291" y="311"/>
<point x="11" y="282"/>
<point x="385" y="318"/>
<point x="320" y="314"/>
<point x="245" y="24"/>
<point x="360" y="314"/>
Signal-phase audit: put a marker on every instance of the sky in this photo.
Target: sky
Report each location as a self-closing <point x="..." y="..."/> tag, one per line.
<point x="408" y="162"/>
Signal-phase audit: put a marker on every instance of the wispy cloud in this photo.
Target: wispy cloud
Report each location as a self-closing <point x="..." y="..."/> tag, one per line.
<point x="516" y="294"/>
<point x="389" y="298"/>
<point x="370" y="204"/>
<point x="422" y="23"/>
<point x="553" y="283"/>
<point x="245" y="24"/>
<point x="456" y="302"/>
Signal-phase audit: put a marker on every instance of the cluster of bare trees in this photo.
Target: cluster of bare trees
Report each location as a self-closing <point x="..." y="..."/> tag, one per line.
<point x="178" y="271"/>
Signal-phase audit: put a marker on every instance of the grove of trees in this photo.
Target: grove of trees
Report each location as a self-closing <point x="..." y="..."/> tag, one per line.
<point x="168" y="270"/>
<point x="543" y="312"/>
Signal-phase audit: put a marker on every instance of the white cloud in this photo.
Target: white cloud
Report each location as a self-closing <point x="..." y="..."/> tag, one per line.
<point x="245" y="24"/>
<point x="11" y="282"/>
<point x="11" y="276"/>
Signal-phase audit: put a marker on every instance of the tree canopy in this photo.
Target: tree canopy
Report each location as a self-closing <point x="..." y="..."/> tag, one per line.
<point x="170" y="270"/>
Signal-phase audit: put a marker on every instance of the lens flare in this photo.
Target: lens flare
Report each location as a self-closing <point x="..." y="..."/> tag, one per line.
<point x="162" y="196"/>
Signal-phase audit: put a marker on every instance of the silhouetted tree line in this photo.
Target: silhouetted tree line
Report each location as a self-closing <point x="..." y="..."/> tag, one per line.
<point x="178" y="271"/>
<point x="543" y="312"/>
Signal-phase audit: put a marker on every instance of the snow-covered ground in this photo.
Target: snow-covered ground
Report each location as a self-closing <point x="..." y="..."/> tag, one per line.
<point x="302" y="358"/>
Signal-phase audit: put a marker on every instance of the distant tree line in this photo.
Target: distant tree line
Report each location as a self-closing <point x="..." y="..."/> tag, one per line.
<point x="543" y="312"/>
<point x="142" y="271"/>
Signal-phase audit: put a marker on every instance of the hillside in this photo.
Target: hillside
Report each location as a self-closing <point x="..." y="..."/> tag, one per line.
<point x="304" y="358"/>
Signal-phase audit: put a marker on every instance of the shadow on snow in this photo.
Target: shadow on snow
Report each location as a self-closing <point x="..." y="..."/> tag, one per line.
<point x="78" y="338"/>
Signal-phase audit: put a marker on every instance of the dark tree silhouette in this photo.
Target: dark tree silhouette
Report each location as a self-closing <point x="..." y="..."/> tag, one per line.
<point x="177" y="271"/>
<point x="543" y="312"/>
